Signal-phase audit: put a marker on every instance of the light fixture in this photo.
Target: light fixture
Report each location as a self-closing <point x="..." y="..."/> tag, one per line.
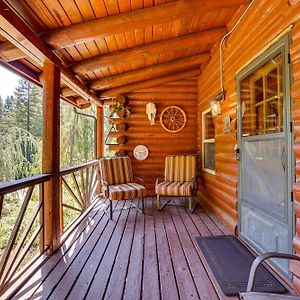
<point x="215" y="108"/>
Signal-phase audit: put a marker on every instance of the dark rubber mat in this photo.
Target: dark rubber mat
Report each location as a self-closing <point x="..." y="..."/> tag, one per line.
<point x="230" y="262"/>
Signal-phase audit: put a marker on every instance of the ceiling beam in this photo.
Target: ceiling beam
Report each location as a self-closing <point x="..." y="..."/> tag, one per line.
<point x="129" y="21"/>
<point x="23" y="37"/>
<point x="151" y="72"/>
<point x="141" y="52"/>
<point x="9" y="52"/>
<point x="150" y="83"/>
<point x="22" y="70"/>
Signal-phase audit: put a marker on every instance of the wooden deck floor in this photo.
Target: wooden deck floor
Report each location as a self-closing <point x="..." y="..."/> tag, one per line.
<point x="135" y="256"/>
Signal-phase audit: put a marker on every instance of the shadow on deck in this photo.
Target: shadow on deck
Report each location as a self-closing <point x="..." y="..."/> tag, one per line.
<point x="135" y="256"/>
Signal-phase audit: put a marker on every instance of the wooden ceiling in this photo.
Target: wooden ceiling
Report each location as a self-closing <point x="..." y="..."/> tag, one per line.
<point x="111" y="47"/>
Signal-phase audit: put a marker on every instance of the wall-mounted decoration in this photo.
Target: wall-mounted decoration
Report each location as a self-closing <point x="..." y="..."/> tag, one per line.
<point x="121" y="110"/>
<point x="215" y="108"/>
<point x="140" y="152"/>
<point x="227" y="124"/>
<point x="151" y="112"/>
<point x="173" y="119"/>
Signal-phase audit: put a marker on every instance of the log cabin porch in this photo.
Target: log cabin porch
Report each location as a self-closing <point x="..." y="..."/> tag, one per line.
<point x="208" y="78"/>
<point x="135" y="256"/>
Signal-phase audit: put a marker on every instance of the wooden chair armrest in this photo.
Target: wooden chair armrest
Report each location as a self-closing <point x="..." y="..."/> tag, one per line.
<point x="104" y="182"/>
<point x="142" y="181"/>
<point x="157" y="181"/>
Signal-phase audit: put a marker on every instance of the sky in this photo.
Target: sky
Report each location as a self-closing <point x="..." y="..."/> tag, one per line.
<point x="8" y="82"/>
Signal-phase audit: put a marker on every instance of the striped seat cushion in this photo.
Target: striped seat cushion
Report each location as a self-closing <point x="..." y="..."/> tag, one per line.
<point x="126" y="191"/>
<point x="175" y="188"/>
<point x="116" y="170"/>
<point x="180" y="167"/>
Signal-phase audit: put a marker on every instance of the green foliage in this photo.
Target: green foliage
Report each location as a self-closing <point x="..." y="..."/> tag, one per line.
<point x="120" y="107"/>
<point x="21" y="127"/>
<point x="77" y="136"/>
<point x="20" y="154"/>
<point x="20" y="133"/>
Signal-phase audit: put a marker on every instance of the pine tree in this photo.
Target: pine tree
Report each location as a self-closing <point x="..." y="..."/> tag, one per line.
<point x="21" y="132"/>
<point x="1" y="110"/>
<point x="9" y="101"/>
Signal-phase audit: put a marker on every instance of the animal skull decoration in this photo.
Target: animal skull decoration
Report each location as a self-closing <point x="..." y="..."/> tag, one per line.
<point x="151" y="112"/>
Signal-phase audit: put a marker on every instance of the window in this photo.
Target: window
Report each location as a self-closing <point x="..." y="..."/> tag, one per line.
<point x="208" y="142"/>
<point x="261" y="94"/>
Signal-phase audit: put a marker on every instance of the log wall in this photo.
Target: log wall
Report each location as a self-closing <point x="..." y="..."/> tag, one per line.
<point x="159" y="142"/>
<point x="264" y="22"/>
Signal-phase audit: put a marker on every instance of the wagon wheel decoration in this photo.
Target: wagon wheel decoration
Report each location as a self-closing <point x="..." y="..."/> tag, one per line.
<point x="173" y="119"/>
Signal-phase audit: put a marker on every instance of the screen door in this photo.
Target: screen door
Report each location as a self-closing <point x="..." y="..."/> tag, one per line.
<point x="265" y="172"/>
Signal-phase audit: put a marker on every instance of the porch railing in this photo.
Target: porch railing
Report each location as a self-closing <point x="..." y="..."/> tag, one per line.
<point x="25" y="231"/>
<point x="79" y="188"/>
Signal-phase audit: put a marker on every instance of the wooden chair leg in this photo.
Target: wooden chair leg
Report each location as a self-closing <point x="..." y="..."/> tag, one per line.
<point x="157" y="202"/>
<point x="110" y="210"/>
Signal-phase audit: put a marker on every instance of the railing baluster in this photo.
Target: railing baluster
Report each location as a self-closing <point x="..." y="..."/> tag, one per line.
<point x="14" y="233"/>
<point x="90" y="184"/>
<point x="72" y="193"/>
<point x="82" y="185"/>
<point x="12" y="260"/>
<point x="77" y="187"/>
<point x="25" y="251"/>
<point x="94" y="183"/>
<point x="41" y="200"/>
<point x="72" y="207"/>
<point x="1" y="204"/>
<point x="18" y="246"/>
<point x="87" y="188"/>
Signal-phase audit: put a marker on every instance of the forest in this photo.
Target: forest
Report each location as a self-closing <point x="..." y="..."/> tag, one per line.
<point x="21" y="127"/>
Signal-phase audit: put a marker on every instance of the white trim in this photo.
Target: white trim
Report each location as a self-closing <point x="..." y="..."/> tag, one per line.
<point x="206" y="141"/>
<point x="209" y="171"/>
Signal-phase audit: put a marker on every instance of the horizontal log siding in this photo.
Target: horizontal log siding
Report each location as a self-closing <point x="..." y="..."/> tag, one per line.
<point x="264" y="22"/>
<point x="158" y="141"/>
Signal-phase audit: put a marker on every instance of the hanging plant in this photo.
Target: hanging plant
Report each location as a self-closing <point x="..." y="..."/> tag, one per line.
<point x="121" y="110"/>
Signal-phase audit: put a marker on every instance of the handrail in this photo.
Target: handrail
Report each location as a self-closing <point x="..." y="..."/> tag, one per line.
<point x="73" y="169"/>
<point x="13" y="186"/>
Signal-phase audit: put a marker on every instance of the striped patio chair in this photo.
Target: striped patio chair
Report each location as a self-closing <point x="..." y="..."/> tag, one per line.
<point x="180" y="179"/>
<point x="119" y="183"/>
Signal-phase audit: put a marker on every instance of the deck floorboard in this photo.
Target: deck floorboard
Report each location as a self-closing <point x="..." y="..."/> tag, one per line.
<point x="135" y="256"/>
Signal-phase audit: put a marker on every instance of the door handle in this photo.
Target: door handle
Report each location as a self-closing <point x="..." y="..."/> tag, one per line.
<point x="237" y="152"/>
<point x="283" y="157"/>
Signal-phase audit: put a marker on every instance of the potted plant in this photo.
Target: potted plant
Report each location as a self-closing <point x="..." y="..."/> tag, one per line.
<point x="121" y="110"/>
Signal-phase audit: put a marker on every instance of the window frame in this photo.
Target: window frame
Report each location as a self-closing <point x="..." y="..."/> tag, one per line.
<point x="206" y="141"/>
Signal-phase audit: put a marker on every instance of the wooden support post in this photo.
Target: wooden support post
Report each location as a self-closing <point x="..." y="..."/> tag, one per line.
<point x="51" y="154"/>
<point x="100" y="132"/>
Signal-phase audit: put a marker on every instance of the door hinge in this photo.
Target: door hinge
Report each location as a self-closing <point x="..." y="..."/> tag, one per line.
<point x="291" y="127"/>
<point x="289" y="58"/>
<point x="292" y="196"/>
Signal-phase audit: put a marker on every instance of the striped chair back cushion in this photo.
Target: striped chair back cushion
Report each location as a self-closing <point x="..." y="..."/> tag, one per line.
<point x="116" y="170"/>
<point x="180" y="167"/>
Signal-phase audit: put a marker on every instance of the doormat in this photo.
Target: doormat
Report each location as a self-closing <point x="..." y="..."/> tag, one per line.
<point x="230" y="262"/>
